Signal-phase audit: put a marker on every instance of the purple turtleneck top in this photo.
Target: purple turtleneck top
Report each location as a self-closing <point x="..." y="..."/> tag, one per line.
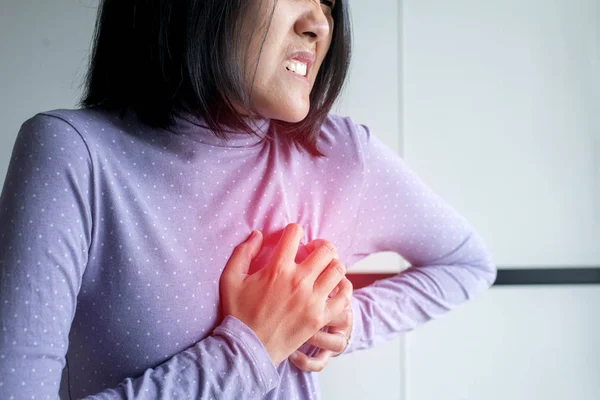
<point x="113" y="236"/>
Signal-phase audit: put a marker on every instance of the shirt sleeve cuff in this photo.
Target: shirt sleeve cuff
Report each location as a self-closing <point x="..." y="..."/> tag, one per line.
<point x="241" y="334"/>
<point x="357" y="327"/>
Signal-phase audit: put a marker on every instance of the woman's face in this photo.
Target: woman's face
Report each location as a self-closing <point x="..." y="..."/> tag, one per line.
<point x="298" y="38"/>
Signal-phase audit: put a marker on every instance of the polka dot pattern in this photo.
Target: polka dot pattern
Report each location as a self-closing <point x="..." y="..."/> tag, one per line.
<point x="113" y="237"/>
<point x="449" y="261"/>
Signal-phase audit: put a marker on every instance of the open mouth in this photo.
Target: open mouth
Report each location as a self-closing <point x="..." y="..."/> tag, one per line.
<point x="296" y="67"/>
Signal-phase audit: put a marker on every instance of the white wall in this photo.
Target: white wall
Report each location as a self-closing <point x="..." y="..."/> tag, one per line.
<point x="43" y="49"/>
<point x="501" y="104"/>
<point x="512" y="343"/>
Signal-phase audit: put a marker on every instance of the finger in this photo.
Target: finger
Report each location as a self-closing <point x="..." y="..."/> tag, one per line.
<point x="343" y="319"/>
<point x="334" y="292"/>
<point x="341" y="301"/>
<point x="311" y="364"/>
<point x="287" y="247"/>
<point x="319" y="259"/>
<point x="315" y="244"/>
<point x="334" y="342"/>
<point x="238" y="264"/>
<point x="330" y="278"/>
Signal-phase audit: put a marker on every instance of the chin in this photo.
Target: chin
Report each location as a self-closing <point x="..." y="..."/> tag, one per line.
<point x="294" y="117"/>
<point x="289" y="113"/>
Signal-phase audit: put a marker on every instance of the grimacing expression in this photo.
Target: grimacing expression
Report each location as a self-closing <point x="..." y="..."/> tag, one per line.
<point x="298" y="38"/>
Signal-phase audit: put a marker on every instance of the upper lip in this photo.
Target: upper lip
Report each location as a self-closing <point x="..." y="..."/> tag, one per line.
<point x="307" y="57"/>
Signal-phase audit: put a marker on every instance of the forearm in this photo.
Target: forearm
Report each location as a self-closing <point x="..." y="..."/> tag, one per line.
<point x="230" y="364"/>
<point x="401" y="303"/>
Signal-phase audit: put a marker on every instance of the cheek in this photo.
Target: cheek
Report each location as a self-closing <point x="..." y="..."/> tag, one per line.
<point x="268" y="85"/>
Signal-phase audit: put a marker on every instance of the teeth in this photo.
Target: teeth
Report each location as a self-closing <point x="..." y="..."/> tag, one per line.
<point x="296" y="67"/>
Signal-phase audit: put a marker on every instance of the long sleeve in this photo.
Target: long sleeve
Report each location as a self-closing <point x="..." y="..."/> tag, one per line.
<point x="449" y="260"/>
<point x="230" y="364"/>
<point x="47" y="226"/>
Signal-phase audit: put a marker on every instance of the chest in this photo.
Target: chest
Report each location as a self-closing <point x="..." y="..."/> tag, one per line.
<point x="164" y="228"/>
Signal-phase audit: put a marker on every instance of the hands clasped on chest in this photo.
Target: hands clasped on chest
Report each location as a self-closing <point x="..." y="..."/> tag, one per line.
<point x="286" y="304"/>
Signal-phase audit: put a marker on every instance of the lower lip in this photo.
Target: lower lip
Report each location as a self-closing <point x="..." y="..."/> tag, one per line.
<point x="302" y="79"/>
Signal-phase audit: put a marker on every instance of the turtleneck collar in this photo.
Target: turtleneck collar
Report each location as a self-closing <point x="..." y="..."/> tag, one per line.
<point x="190" y="125"/>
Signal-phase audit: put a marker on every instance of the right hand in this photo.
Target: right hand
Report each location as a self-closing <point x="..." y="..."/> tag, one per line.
<point x="284" y="303"/>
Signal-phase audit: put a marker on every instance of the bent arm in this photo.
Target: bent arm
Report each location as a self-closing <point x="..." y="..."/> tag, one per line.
<point x="230" y="364"/>
<point x="450" y="263"/>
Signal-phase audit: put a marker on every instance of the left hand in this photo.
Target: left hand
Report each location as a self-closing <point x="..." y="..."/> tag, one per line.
<point x="330" y="344"/>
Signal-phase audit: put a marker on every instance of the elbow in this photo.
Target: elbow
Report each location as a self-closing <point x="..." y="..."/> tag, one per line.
<point x="486" y="269"/>
<point x="489" y="273"/>
<point x="485" y="266"/>
<point x="483" y="276"/>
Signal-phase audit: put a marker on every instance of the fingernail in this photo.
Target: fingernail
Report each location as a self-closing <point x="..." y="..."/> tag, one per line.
<point x="294" y="355"/>
<point x="252" y="235"/>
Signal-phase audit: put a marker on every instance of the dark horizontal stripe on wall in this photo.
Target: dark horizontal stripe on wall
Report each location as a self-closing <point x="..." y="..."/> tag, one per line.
<point x="513" y="276"/>
<point x="548" y="276"/>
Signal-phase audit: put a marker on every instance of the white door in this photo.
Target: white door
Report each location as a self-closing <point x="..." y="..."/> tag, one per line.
<point x="502" y="117"/>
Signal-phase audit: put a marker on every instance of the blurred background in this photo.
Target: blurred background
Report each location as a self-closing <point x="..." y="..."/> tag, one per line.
<point x="496" y="105"/>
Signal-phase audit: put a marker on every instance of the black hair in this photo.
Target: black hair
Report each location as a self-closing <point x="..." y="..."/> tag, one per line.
<point x="161" y="56"/>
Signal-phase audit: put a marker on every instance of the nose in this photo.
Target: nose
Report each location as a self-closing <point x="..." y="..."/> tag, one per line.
<point x="313" y="24"/>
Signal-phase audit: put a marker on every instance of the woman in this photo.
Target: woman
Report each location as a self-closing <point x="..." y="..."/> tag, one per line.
<point x="124" y="224"/>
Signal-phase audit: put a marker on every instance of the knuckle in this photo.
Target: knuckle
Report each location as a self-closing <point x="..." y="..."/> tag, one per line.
<point x="329" y="246"/>
<point x="315" y="322"/>
<point x="318" y="242"/>
<point x="299" y="283"/>
<point x="346" y="302"/>
<point x="316" y="338"/>
<point x="313" y="243"/>
<point x="349" y="285"/>
<point x="224" y="281"/>
<point x="348" y="317"/>
<point x="339" y="267"/>
<point x="278" y="265"/>
<point x="301" y="363"/>
<point x="242" y="247"/>
<point x="274" y="276"/>
<point x="243" y="250"/>
<point x="348" y="296"/>
<point x="295" y="229"/>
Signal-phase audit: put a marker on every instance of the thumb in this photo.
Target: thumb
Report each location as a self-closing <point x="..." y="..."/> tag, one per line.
<point x="238" y="264"/>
